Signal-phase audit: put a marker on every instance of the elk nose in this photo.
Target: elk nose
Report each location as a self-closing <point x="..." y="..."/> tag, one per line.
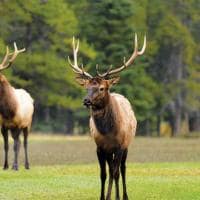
<point x="87" y="102"/>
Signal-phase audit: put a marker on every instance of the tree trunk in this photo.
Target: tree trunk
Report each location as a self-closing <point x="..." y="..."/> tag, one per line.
<point x="177" y="76"/>
<point x="147" y="128"/>
<point x="158" y="123"/>
<point x="69" y="122"/>
<point x="186" y="123"/>
<point x="177" y="116"/>
<point x="194" y="122"/>
<point x="46" y="114"/>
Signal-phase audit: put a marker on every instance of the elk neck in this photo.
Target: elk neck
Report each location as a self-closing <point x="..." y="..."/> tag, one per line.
<point x="104" y="118"/>
<point x="8" y="103"/>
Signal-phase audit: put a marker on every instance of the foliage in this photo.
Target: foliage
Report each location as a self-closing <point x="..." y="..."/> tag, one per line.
<point x="161" y="83"/>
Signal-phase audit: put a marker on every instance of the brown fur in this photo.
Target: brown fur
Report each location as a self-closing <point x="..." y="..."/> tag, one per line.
<point x="113" y="125"/>
<point x="123" y="125"/>
<point x="16" y="109"/>
<point x="112" y="121"/>
<point x="8" y="105"/>
<point x="105" y="120"/>
<point x="108" y="121"/>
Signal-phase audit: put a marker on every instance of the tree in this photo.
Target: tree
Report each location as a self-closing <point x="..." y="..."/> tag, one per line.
<point x="107" y="26"/>
<point x="163" y="85"/>
<point x="43" y="28"/>
<point x="174" y="59"/>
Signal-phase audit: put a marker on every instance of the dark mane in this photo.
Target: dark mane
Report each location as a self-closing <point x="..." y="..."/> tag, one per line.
<point x="105" y="120"/>
<point x="7" y="101"/>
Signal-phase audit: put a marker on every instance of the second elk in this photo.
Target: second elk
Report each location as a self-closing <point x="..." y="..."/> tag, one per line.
<point x="112" y="120"/>
<point x="16" y="110"/>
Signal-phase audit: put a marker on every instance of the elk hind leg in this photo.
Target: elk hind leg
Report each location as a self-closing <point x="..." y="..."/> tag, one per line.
<point x="4" y="132"/>
<point x="109" y="158"/>
<point x="26" y="163"/>
<point x="117" y="161"/>
<point x="123" y="174"/>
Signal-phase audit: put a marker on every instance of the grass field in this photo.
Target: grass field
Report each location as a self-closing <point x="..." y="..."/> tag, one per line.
<point x="65" y="168"/>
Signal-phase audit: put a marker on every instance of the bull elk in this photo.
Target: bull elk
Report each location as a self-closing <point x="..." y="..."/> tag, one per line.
<point x="112" y="121"/>
<point x="16" y="110"/>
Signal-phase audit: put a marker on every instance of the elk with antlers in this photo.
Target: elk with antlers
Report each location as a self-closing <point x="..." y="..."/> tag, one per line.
<point x="112" y="122"/>
<point x="16" y="110"/>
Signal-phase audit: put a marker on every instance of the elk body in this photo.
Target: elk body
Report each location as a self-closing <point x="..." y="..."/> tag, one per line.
<point x="16" y="110"/>
<point x="112" y="122"/>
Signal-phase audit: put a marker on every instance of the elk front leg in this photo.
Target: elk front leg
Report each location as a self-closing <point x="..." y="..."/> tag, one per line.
<point x="15" y="135"/>
<point x="102" y="162"/>
<point x="4" y="132"/>
<point x="109" y="158"/>
<point x="123" y="173"/>
<point x="117" y="161"/>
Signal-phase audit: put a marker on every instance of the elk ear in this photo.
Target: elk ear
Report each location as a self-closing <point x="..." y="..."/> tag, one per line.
<point x="114" y="80"/>
<point x="81" y="81"/>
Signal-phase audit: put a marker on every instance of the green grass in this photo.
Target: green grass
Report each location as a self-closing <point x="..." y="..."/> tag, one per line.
<point x="59" y="150"/>
<point x="66" y="168"/>
<point x="166" y="181"/>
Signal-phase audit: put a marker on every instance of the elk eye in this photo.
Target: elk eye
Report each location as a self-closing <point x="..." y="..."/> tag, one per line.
<point x="101" y="89"/>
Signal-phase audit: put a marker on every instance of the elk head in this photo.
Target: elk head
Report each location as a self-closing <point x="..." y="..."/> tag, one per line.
<point x="98" y="86"/>
<point x="10" y="57"/>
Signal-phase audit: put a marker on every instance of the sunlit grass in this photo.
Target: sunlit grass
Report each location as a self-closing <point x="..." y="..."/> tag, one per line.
<point x="53" y="137"/>
<point x="164" y="181"/>
<point x="66" y="168"/>
<point x="58" y="137"/>
<point x="54" y="149"/>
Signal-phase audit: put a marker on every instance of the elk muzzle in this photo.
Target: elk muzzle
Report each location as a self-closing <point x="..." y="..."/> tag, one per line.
<point x="87" y="102"/>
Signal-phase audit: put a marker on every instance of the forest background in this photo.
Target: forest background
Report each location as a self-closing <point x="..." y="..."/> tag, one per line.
<point x="163" y="85"/>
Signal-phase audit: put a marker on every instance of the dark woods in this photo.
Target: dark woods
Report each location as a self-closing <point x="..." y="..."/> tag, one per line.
<point x="163" y="88"/>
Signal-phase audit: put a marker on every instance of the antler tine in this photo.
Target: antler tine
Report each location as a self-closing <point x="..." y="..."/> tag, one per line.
<point x="136" y="43"/>
<point x="82" y="67"/>
<point x="75" y="51"/>
<point x="77" y="46"/>
<point x="3" y="65"/>
<point x="108" y="71"/>
<point x="97" y="70"/>
<point x="134" y="53"/>
<point x="16" y="52"/>
<point x="74" y="65"/>
<point x="130" y="60"/>
<point x="70" y="62"/>
<point x="98" y="73"/>
<point x="105" y="74"/>
<point x="144" y="46"/>
<point x="124" y="61"/>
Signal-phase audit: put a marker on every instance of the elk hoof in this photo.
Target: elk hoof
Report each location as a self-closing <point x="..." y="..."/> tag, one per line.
<point x="125" y="197"/>
<point x="27" y="166"/>
<point x="15" y="167"/>
<point x="5" y="167"/>
<point x="108" y="198"/>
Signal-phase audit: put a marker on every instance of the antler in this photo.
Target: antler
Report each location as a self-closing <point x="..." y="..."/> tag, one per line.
<point x="80" y="71"/>
<point x="126" y="63"/>
<point x="7" y="61"/>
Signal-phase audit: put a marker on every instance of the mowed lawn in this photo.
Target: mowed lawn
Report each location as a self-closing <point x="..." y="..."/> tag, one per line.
<point x="66" y="168"/>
